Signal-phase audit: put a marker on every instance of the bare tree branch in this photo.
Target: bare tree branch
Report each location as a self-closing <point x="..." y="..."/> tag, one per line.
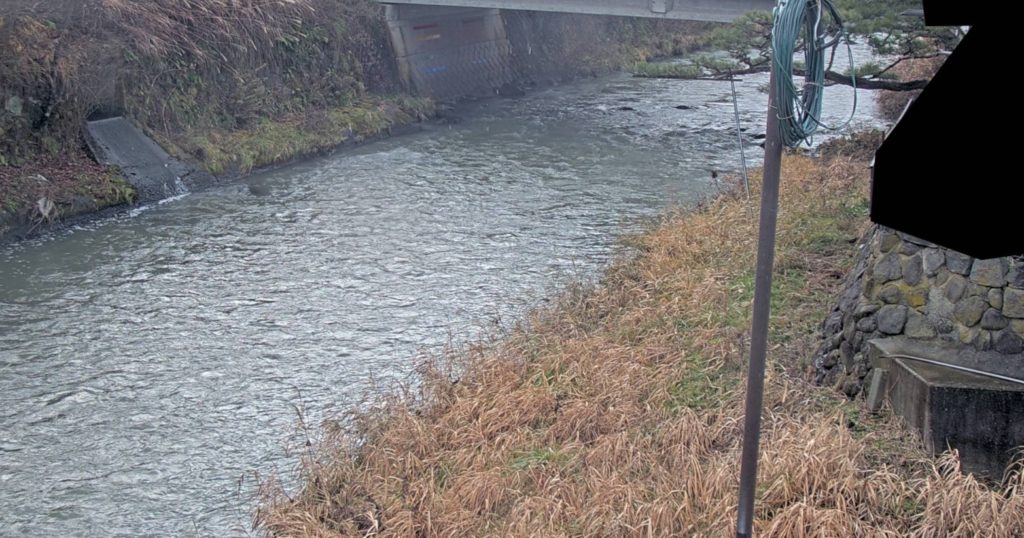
<point x="904" y="58"/>
<point x="875" y="83"/>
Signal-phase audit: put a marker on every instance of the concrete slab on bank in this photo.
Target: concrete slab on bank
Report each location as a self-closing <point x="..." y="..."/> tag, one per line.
<point x="151" y="170"/>
<point x="956" y="398"/>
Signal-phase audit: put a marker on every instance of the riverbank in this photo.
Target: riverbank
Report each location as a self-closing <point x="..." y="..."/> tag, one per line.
<point x="48" y="191"/>
<point x="617" y="411"/>
<point x="228" y="87"/>
<point x="238" y="88"/>
<point x="45" y="191"/>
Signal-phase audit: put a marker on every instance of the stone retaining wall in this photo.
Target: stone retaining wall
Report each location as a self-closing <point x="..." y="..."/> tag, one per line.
<point x="902" y="285"/>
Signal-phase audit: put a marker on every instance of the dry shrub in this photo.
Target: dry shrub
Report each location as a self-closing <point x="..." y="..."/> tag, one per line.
<point x="38" y="109"/>
<point x="890" y="103"/>
<point x="618" y="411"/>
<point x="207" y="30"/>
<point x="859" y="146"/>
<point x="225" y="64"/>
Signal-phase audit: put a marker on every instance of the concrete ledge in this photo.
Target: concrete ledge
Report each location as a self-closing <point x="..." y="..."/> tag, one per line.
<point x="980" y="416"/>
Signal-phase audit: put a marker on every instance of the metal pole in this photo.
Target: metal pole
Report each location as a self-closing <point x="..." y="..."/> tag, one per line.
<point x="762" y="309"/>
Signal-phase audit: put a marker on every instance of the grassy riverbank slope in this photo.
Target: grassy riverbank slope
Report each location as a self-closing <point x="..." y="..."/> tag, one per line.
<point x="235" y="85"/>
<point x="230" y="85"/>
<point x="618" y="411"/>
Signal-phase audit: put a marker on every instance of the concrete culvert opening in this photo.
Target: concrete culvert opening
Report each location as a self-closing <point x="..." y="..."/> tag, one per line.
<point x="105" y="111"/>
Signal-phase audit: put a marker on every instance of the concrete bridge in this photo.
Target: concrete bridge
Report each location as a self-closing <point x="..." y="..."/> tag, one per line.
<point x="450" y="48"/>
<point x="691" y="10"/>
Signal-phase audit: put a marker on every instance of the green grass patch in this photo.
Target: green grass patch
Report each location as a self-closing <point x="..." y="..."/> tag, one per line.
<point x="272" y="141"/>
<point x="699" y="387"/>
<point x="443" y="473"/>
<point x="665" y="70"/>
<point x="539" y="457"/>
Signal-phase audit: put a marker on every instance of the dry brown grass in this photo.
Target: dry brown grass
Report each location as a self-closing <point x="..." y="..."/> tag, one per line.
<point x="618" y="411"/>
<point x="178" y="65"/>
<point x="207" y="29"/>
<point x="891" y="104"/>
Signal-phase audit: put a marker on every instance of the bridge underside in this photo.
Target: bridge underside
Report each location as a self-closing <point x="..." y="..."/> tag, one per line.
<point x="693" y="10"/>
<point x="454" y="48"/>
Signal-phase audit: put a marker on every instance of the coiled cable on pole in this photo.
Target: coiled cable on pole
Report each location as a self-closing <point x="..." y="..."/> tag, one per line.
<point x="814" y="26"/>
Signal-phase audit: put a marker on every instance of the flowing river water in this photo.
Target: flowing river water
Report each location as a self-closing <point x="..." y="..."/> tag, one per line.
<point x="150" y="362"/>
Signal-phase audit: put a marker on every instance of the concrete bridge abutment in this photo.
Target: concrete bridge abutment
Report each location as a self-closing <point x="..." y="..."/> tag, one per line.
<point x="450" y="52"/>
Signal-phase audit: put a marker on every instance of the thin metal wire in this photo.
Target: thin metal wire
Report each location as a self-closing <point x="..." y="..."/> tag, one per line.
<point x="739" y="141"/>
<point x="957" y="367"/>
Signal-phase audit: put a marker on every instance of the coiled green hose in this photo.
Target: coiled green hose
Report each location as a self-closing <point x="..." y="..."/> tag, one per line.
<point x="814" y="26"/>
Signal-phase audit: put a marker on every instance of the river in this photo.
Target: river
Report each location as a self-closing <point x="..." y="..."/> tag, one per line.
<point x="151" y="361"/>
